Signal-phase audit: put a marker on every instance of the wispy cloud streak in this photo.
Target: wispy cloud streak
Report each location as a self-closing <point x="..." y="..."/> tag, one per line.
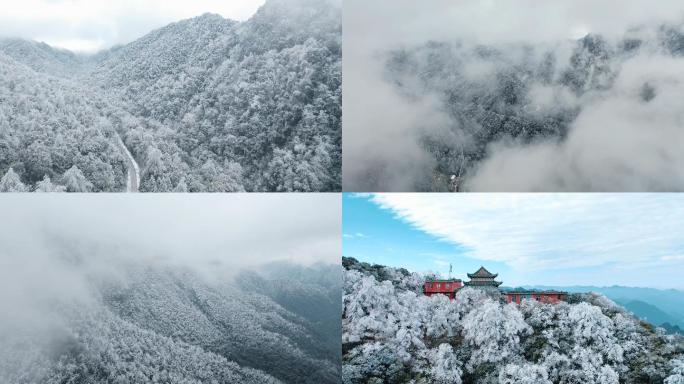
<point x="551" y="231"/>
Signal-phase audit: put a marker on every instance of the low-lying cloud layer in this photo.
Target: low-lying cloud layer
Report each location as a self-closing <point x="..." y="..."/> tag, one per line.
<point x="617" y="140"/>
<point x="235" y="230"/>
<point x="52" y="246"/>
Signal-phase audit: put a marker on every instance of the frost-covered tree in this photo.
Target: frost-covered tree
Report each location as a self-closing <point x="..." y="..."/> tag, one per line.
<point x="11" y="182"/>
<point x="366" y="308"/>
<point x="446" y="368"/>
<point x="74" y="181"/>
<point x="394" y="334"/>
<point x="677" y="374"/>
<point x="46" y="185"/>
<point x="495" y="332"/>
<point x="181" y="187"/>
<point x="524" y="374"/>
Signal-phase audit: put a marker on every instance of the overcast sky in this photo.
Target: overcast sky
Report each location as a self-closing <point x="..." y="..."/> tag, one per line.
<point x="488" y="21"/>
<point x="530" y="239"/>
<point x="91" y="25"/>
<point x="224" y="230"/>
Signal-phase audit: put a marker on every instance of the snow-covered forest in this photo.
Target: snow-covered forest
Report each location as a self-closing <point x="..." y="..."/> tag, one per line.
<point x="203" y="105"/>
<point x="391" y="333"/>
<point x="161" y="324"/>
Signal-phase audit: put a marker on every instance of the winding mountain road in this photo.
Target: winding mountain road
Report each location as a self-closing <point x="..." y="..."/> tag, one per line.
<point x="133" y="178"/>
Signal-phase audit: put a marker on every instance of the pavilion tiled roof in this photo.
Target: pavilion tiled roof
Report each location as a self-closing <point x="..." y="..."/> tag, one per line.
<point x="483" y="273"/>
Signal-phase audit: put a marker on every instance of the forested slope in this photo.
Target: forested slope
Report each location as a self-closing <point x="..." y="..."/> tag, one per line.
<point x="216" y="105"/>
<point x="49" y="126"/>
<point x="394" y="334"/>
<point x="171" y="324"/>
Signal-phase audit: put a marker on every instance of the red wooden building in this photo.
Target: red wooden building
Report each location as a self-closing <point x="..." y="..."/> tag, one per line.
<point x="542" y="296"/>
<point x="484" y="280"/>
<point x="442" y="287"/>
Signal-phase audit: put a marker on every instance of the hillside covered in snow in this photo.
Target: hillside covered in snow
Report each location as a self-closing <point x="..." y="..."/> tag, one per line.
<point x="204" y="105"/>
<point x="392" y="333"/>
<point x="164" y="324"/>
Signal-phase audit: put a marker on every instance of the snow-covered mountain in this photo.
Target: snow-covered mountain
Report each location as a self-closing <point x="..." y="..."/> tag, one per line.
<point x="41" y="57"/>
<point x="589" y="114"/>
<point x="205" y="104"/>
<point x="165" y="324"/>
<point x="392" y="333"/>
<point x="49" y="126"/>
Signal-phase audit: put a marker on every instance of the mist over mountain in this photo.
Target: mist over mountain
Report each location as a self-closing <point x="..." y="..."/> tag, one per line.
<point x="592" y="114"/>
<point x="170" y="324"/>
<point x="203" y="105"/>
<point x="41" y="57"/>
<point x="169" y="288"/>
<point x="653" y="315"/>
<point x="393" y="333"/>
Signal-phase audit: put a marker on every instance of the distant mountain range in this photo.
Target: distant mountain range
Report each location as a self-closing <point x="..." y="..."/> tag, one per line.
<point x="653" y="315"/>
<point x="661" y="307"/>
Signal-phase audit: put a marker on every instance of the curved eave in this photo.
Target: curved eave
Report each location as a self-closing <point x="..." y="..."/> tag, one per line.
<point x="483" y="284"/>
<point x="491" y="275"/>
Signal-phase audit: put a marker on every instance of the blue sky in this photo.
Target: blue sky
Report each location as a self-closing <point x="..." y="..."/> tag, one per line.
<point x="529" y="239"/>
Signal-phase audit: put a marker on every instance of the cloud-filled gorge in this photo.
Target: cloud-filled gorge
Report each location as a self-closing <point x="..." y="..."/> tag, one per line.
<point x="511" y="97"/>
<point x="169" y="288"/>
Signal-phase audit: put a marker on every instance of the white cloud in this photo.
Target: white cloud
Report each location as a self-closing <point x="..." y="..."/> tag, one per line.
<point x="549" y="231"/>
<point x="90" y="25"/>
<point x="617" y="143"/>
<point x="396" y="22"/>
<point x="673" y="258"/>
<point x="231" y="230"/>
<point x="357" y="235"/>
<point x="52" y="246"/>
